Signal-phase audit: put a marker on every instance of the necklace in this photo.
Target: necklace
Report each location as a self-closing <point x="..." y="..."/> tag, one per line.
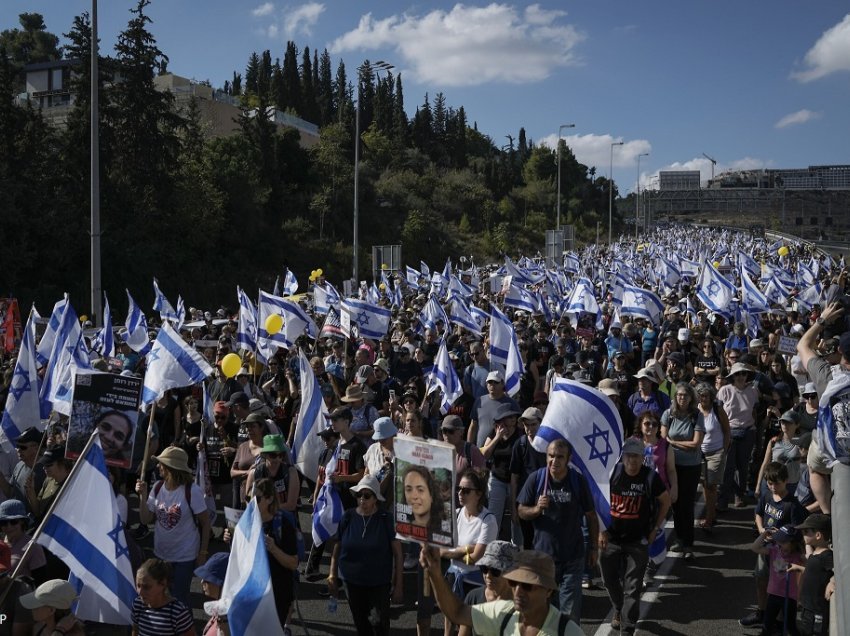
<point x="366" y="521"/>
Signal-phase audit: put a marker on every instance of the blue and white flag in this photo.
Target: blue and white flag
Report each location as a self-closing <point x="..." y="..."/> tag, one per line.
<point x="458" y="287"/>
<point x="444" y="377"/>
<point x="689" y="268"/>
<point x="373" y="295"/>
<point x="423" y="267"/>
<point x="833" y="437"/>
<point x="810" y="297"/>
<point x="276" y="288"/>
<point x="327" y="511"/>
<point x="589" y="421"/>
<point x="752" y="298"/>
<point x="23" y="408"/>
<point x="412" y="275"/>
<point x="775" y="291"/>
<point x="45" y="345"/>
<point x="571" y="263"/>
<point x="104" y="341"/>
<point x="324" y="297"/>
<point x="246" y="594"/>
<point x="290" y="284"/>
<point x="246" y="333"/>
<point x="161" y="304"/>
<point x="749" y="264"/>
<point x="504" y="349"/>
<point x="172" y="364"/>
<point x="86" y="532"/>
<point x="715" y="291"/>
<point x="432" y="314"/>
<point x="520" y="298"/>
<point x="583" y="300"/>
<point x="641" y="303"/>
<point x="181" y="313"/>
<point x="363" y="319"/>
<point x="521" y="276"/>
<point x="137" y="327"/>
<point x="68" y="354"/>
<point x="268" y="343"/>
<point x="312" y="418"/>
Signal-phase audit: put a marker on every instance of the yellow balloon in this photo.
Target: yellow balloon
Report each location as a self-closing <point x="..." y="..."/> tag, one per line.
<point x="273" y="324"/>
<point x="384" y="266"/>
<point x="319" y="272"/>
<point x="716" y="263"/>
<point x="783" y="251"/>
<point x="382" y="287"/>
<point x="230" y="365"/>
<point x="312" y="279"/>
<point x="313" y="273"/>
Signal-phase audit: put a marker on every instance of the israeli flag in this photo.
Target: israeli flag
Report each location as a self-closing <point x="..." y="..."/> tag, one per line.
<point x="246" y="595"/>
<point x="432" y="314"/>
<point x="68" y="354"/>
<point x="373" y="295"/>
<point x="670" y="273"/>
<point x="246" y="333"/>
<point x="325" y="297"/>
<point x="45" y="345"/>
<point x="688" y="268"/>
<point x="327" y="511"/>
<point x="172" y="364"/>
<point x="86" y="532"/>
<point x="412" y="276"/>
<point x="458" y="287"/>
<point x="571" y="263"/>
<point x="290" y="285"/>
<point x="834" y="441"/>
<point x="519" y="298"/>
<point x="481" y="317"/>
<point x="181" y="313"/>
<point x="161" y="304"/>
<point x="752" y="298"/>
<point x="749" y="264"/>
<point x="296" y="322"/>
<point x="589" y="421"/>
<point x="366" y="319"/>
<point x="583" y="300"/>
<point x="444" y="377"/>
<point x="312" y="418"/>
<point x="137" y="327"/>
<point x="104" y="340"/>
<point x="504" y="349"/>
<point x="267" y="343"/>
<point x="276" y="288"/>
<point x="810" y="297"/>
<point x="23" y="407"/>
<point x="460" y="314"/>
<point x="521" y="276"/>
<point x="775" y="291"/>
<point x="642" y="303"/>
<point x="423" y="267"/>
<point x="715" y="291"/>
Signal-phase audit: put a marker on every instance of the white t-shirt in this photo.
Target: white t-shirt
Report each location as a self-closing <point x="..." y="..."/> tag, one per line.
<point x="374" y="459"/>
<point x="176" y="537"/>
<point x="474" y="530"/>
<point x="487" y="619"/>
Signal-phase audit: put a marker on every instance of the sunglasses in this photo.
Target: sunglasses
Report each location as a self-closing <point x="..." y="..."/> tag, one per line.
<point x="273" y="455"/>
<point x="7" y="522"/>
<point x="448" y="431"/>
<point x="466" y="491"/>
<point x="526" y="587"/>
<point x="494" y="572"/>
<point x="364" y="494"/>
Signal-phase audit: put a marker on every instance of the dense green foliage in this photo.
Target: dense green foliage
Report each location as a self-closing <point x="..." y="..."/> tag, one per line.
<point x="204" y="214"/>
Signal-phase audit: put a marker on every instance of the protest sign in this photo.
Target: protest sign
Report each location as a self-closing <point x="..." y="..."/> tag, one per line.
<point x="111" y="403"/>
<point x="425" y="485"/>
<point x="788" y="345"/>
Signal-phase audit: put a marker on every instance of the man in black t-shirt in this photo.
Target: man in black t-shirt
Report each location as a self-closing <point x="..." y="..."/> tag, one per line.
<point x="635" y="522"/>
<point x="350" y="463"/>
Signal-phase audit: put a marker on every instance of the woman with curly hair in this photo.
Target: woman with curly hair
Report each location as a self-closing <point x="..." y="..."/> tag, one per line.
<point x="422" y="493"/>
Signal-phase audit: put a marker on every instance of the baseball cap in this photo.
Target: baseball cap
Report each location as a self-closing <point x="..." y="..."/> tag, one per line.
<point x="495" y="376"/>
<point x="633" y="446"/>
<point x="452" y="422"/>
<point x="239" y="398"/>
<point x="817" y="522"/>
<point x="55" y="593"/>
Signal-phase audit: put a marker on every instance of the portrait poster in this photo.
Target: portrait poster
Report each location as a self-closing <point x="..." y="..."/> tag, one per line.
<point x="109" y="402"/>
<point x="425" y="482"/>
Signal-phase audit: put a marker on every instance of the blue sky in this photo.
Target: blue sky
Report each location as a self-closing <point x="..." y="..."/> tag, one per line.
<point x="752" y="84"/>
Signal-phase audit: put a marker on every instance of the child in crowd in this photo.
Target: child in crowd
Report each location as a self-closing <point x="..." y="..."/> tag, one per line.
<point x="784" y="549"/>
<point x="812" y="605"/>
<point x="155" y="612"/>
<point x="212" y="575"/>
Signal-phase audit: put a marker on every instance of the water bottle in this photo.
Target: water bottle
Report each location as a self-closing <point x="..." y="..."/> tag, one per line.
<point x="332" y="604"/>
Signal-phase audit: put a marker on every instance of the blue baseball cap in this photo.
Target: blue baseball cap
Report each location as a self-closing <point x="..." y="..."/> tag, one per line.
<point x="214" y="569"/>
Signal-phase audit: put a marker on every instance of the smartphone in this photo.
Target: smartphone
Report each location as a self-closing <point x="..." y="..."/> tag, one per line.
<point x="392" y="394"/>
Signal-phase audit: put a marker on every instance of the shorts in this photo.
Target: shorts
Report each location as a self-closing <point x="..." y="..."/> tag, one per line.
<point x="713" y="467"/>
<point x="815" y="459"/>
<point x="762" y="569"/>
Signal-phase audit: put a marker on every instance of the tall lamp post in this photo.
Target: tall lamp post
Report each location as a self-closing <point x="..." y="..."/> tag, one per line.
<point x="96" y="291"/>
<point x="637" y="196"/>
<point x="558" y="204"/>
<point x="611" y="190"/>
<point x="381" y="66"/>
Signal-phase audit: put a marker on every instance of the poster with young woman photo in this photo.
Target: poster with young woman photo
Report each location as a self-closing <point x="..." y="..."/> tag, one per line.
<point x="425" y="482"/>
<point x="110" y="403"/>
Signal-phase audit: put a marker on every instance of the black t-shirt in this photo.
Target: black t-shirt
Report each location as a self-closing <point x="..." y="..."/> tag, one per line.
<point x="819" y="569"/>
<point x="525" y="459"/>
<point x="786" y="511"/>
<point x="705" y="363"/>
<point x="631" y="504"/>
<point x="350" y="461"/>
<point x="500" y="460"/>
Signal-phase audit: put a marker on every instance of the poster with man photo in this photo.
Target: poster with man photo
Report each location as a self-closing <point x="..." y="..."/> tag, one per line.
<point x="425" y="486"/>
<point x="111" y="403"/>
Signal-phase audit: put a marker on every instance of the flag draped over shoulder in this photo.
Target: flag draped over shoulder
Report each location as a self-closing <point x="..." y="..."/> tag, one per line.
<point x="327" y="511"/>
<point x="22" y="404"/>
<point x="172" y="364"/>
<point x="312" y="418"/>
<point x="246" y="594"/>
<point x="87" y="533"/>
<point x="589" y="421"/>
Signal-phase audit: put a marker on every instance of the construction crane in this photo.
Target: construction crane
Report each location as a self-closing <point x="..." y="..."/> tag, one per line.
<point x="713" y="163"/>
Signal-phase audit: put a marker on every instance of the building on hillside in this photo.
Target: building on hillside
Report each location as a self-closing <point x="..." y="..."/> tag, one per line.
<point x="49" y="89"/>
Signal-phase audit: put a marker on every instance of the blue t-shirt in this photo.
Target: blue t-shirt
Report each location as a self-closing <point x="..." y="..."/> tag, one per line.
<point x="366" y="548"/>
<point x="557" y="531"/>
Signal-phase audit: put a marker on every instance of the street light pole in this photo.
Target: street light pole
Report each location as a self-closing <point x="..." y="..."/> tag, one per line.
<point x="96" y="291"/>
<point x="637" y="196"/>
<point x="611" y="190"/>
<point x="558" y="204"/>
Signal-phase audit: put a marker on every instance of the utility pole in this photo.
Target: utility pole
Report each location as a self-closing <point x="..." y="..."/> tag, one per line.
<point x="558" y="204"/>
<point x="611" y="190"/>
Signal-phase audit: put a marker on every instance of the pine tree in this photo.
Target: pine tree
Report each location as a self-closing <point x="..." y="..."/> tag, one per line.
<point x="343" y="96"/>
<point x="291" y="98"/>
<point x="264" y="75"/>
<point x="309" y="105"/>
<point x="236" y="84"/>
<point x="423" y="127"/>
<point x="252" y="74"/>
<point x="325" y="91"/>
<point x="366" y="94"/>
<point x="401" y="127"/>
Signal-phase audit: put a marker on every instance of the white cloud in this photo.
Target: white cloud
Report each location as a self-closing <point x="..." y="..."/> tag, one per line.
<point x="302" y="19"/>
<point x="704" y="166"/>
<point x="829" y="54"/>
<point x="595" y="150"/>
<point x="469" y="46"/>
<point x="800" y="117"/>
<point x="263" y="10"/>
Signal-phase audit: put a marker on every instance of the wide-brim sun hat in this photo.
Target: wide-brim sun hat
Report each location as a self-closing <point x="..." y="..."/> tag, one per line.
<point x="174" y="458"/>
<point x="13" y="510"/>
<point x="500" y="555"/>
<point x="740" y="367"/>
<point x="534" y="567"/>
<point x="274" y="444"/>
<point x="369" y="482"/>
<point x="384" y="429"/>
<point x="353" y="393"/>
<point x="214" y="569"/>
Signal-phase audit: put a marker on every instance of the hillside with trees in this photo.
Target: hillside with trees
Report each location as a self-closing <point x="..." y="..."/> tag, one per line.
<point x="204" y="214"/>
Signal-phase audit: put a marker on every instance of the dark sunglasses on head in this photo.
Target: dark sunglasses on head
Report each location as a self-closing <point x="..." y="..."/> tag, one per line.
<point x="466" y="491"/>
<point x="494" y="572"/>
<point x="524" y="586"/>
<point x="364" y="494"/>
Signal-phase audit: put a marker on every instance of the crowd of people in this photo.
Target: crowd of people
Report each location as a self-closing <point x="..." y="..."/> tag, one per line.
<point x="705" y="403"/>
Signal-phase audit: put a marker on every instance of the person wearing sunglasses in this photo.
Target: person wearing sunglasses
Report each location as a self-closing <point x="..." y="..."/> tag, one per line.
<point x="274" y="464"/>
<point x="499" y="557"/>
<point x="367" y="560"/>
<point x="532" y="583"/>
<point x="27" y="468"/>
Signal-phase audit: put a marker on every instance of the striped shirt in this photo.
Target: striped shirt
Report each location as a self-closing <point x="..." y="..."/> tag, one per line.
<point x="169" y="620"/>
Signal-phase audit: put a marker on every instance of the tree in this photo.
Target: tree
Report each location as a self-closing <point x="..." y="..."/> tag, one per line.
<point x="291" y="96"/>
<point x="28" y="45"/>
<point x="309" y="103"/>
<point x="252" y="74"/>
<point x="325" y="91"/>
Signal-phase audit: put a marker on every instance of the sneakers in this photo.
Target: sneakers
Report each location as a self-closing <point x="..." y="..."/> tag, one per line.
<point x="410" y="563"/>
<point x="587" y="583"/>
<point x="752" y="619"/>
<point x="689" y="554"/>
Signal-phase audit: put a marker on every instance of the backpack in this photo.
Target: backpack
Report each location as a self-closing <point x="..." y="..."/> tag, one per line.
<point x="563" y="621"/>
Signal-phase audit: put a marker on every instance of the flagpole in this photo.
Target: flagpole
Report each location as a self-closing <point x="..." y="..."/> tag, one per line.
<point x="144" y="466"/>
<point x="53" y="505"/>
